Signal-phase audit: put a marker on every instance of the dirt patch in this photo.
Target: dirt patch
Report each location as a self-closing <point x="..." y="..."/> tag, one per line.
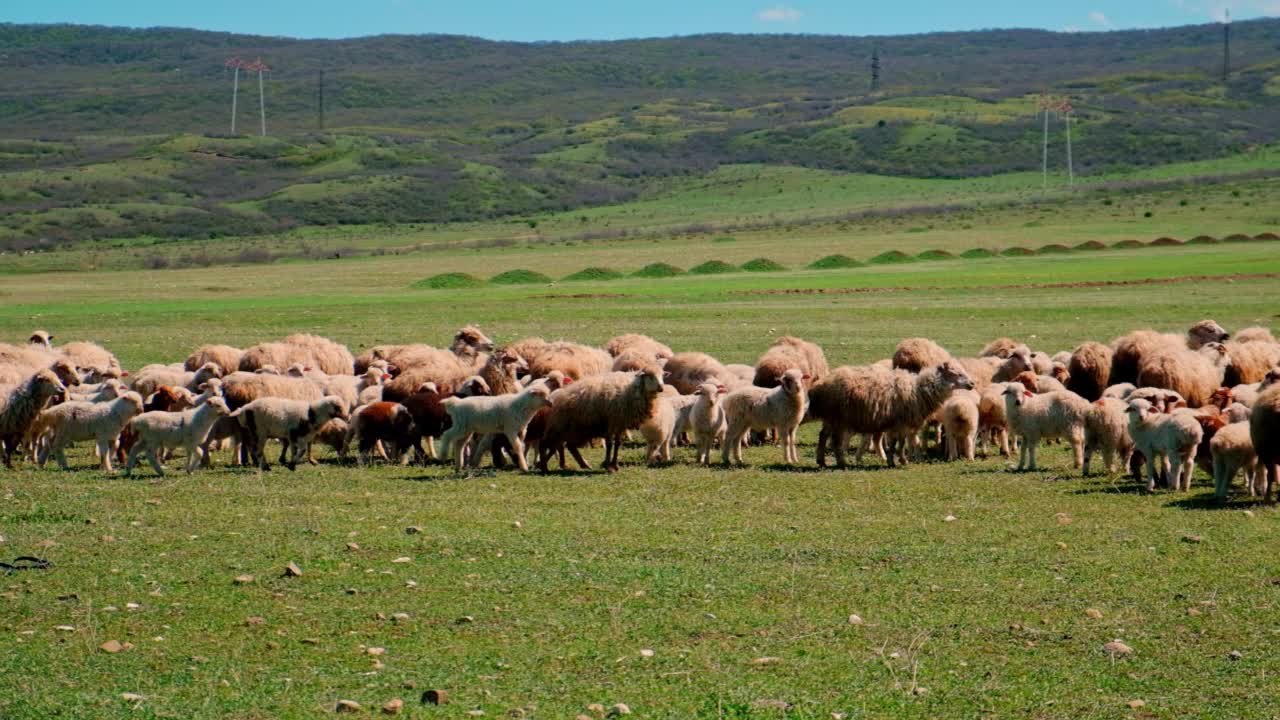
<point x="1128" y="244"/>
<point x="1266" y="236"/>
<point x="1052" y="249"/>
<point x="1238" y="237"/>
<point x="580" y="296"/>
<point x="1091" y="245"/>
<point x="1023" y="286"/>
<point x="1017" y="252"/>
<point x="1166" y="242"/>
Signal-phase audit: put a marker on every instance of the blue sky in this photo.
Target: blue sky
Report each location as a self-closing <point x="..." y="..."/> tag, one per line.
<point x="610" y="19"/>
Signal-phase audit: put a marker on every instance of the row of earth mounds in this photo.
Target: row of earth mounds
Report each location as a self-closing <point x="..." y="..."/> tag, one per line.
<point x="661" y="270"/>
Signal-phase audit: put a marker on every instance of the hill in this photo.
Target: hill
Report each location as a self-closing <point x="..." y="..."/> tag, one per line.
<point x="116" y="133"/>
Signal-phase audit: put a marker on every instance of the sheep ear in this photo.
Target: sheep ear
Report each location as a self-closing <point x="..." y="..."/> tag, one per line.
<point x="124" y="374"/>
<point x="1028" y="393"/>
<point x="805" y="376"/>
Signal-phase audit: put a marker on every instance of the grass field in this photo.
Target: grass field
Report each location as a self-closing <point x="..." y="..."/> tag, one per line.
<point x="741" y="582"/>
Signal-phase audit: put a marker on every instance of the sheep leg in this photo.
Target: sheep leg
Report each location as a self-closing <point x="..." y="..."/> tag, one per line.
<point x="517" y="449"/>
<point x="60" y="454"/>
<point x="155" y="461"/>
<point x="458" y="452"/>
<point x="1151" y="471"/>
<point x="1077" y="449"/>
<point x="1221" y="479"/>
<point x="969" y="450"/>
<point x="840" y="436"/>
<point x="104" y="448"/>
<point x="1022" y="454"/>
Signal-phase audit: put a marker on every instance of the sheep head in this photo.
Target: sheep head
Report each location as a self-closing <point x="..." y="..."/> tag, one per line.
<point x="792" y="381"/>
<point x="218" y="405"/>
<point x="1221" y="398"/>
<point x="1206" y="331"/>
<point x="470" y="341"/>
<point x="1140" y="409"/>
<point x="953" y="374"/>
<point x="46" y="386"/>
<point x="649" y="382"/>
<point x="1029" y="380"/>
<point x="1016" y="393"/>
<point x="41" y="338"/>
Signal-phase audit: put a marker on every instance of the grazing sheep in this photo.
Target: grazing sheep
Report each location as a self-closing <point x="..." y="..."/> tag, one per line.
<point x="21" y="403"/>
<point x="430" y="419"/>
<point x="643" y="344"/>
<point x="93" y="361"/>
<point x="707" y="420"/>
<point x="960" y="421"/>
<point x="1055" y="415"/>
<point x="527" y="348"/>
<point x="871" y="400"/>
<point x="1001" y="348"/>
<point x="161" y="431"/>
<point x="505" y="414"/>
<point x="1255" y="334"/>
<point x="224" y="356"/>
<point x="605" y="406"/>
<point x="383" y="422"/>
<point x="1173" y="436"/>
<point x="335" y="434"/>
<point x="1106" y="429"/>
<point x="1264" y="431"/>
<point x="916" y="354"/>
<point x="1090" y="370"/>
<point x="790" y="352"/>
<point x="1194" y="374"/>
<point x="574" y="360"/>
<point x="688" y="370"/>
<point x="756" y="408"/>
<point x="72" y="422"/>
<point x="993" y="422"/>
<point x="1250" y="361"/>
<point x="983" y="371"/>
<point x="659" y="430"/>
<point x="631" y="360"/>
<point x="1232" y="450"/>
<point x="294" y="422"/>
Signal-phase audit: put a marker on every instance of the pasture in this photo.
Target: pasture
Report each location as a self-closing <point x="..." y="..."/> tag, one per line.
<point x="679" y="591"/>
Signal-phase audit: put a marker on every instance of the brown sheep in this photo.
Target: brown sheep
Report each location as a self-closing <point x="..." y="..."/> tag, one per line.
<point x="527" y="348"/>
<point x="224" y="356"/>
<point x="1250" y="361"/>
<point x="1264" y="431"/>
<point x="1001" y="348"/>
<point x="1129" y="349"/>
<point x="1255" y="334"/>
<point x="916" y="354"/>
<point x="1194" y="374"/>
<point x="1090" y="370"/>
<point x="632" y="360"/>
<point x="605" y="406"/>
<point x="574" y="360"/>
<point x="687" y="371"/>
<point x="640" y="343"/>
<point x="386" y="422"/>
<point x="790" y="352"/>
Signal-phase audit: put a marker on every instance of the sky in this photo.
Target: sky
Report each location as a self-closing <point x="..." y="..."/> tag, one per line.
<point x="531" y="20"/>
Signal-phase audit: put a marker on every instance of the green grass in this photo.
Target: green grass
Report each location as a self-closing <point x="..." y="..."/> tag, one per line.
<point x="763" y="264"/>
<point x="833" y="262"/>
<point x="519" y="277"/>
<point x="891" y="257"/>
<point x="712" y="267"/>
<point x="595" y="273"/>
<point x="446" y="281"/>
<point x="658" y="270"/>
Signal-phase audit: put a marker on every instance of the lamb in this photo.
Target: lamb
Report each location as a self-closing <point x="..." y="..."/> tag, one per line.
<point x="110" y="389"/>
<point x="160" y="431"/>
<point x="1232" y="450"/>
<point x="606" y="406"/>
<point x="1174" y="436"/>
<point x="21" y="403"/>
<point x="506" y="414"/>
<point x="1001" y="348"/>
<point x="1090" y="370"/>
<point x="1120" y="391"/>
<point x="151" y="377"/>
<point x="1255" y="334"/>
<point x="574" y="360"/>
<point x="790" y="352"/>
<point x="1250" y="361"/>
<point x="992" y="420"/>
<point x="1033" y="418"/>
<point x="227" y="358"/>
<point x="688" y="370"/>
<point x="659" y="430"/>
<point x="960" y="421"/>
<point x="430" y="419"/>
<point x="1162" y="400"/>
<point x="1237" y="412"/>
<point x="1194" y="374"/>
<point x="386" y="422"/>
<point x="293" y="421"/>
<point x="756" y="408"/>
<point x="167" y="398"/>
<point x="871" y="400"/>
<point x="707" y="419"/>
<point x="1210" y="423"/>
<point x="1106" y="429"/>
<point x="643" y="344"/>
<point x="916" y="354"/>
<point x="1264" y="431"/>
<point x="102" y="422"/>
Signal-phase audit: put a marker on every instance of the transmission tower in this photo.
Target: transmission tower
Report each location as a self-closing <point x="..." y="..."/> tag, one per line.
<point x="875" y="69"/>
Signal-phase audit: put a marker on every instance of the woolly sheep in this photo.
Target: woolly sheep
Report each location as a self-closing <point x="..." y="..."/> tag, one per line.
<point x="19" y="405"/>
<point x="745" y="374"/>
<point x="983" y="371"/>
<point x="574" y="360"/>
<point x="1255" y="334"/>
<point x="707" y="420"/>
<point x="1128" y="350"/>
<point x="441" y="367"/>
<point x="41" y="339"/>
<point x="1055" y="415"/>
<point x="1264" y="431"/>
<point x="1000" y="347"/>
<point x="1248" y="394"/>
<point x="780" y="408"/>
<point x="94" y="362"/>
<point x="790" y="352"/>
<point x="631" y="360"/>
<point x="160" y="431"/>
<point x="1250" y="361"/>
<point x="1038" y="384"/>
<point x="527" y="348"/>
<point x="388" y="423"/>
<point x="1041" y="363"/>
<point x="643" y="344"/>
<point x="607" y="406"/>
<point x="1232" y="450"/>
<point x="874" y="400"/>
<point x="501" y="371"/>
<point x="688" y="370"/>
<point x="224" y="356"/>
<point x="505" y="414"/>
<point x="72" y="422"/>
<point x="151" y="377"/>
<point x="430" y="418"/>
<point x="658" y="431"/>
<point x="960" y="421"/>
<point x="992" y="420"/>
<point x="1194" y="374"/>
<point x="1106" y="429"/>
<point x="1062" y="357"/>
<point x="293" y="421"/>
<point x="916" y="354"/>
<point x="1173" y="436"/>
<point x="1237" y="412"/>
<point x="1161" y="400"/>
<point x="1120" y="392"/>
<point x="1204" y="332"/>
<point x="1090" y="370"/>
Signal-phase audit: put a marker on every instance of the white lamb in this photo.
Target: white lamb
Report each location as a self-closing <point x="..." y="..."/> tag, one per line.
<point x="1106" y="429"/>
<point x="1173" y="436"/>
<point x="658" y="431"/>
<point x="1033" y="418"/>
<point x="508" y="415"/>
<point x="1232" y="449"/>
<point x="756" y="408"/>
<point x="72" y="422"/>
<point x="294" y="422"/>
<point x="706" y="418"/>
<point x="960" y="421"/>
<point x="159" y="430"/>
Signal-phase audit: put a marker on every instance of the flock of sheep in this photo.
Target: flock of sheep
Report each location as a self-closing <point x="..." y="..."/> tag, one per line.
<point x="1171" y="401"/>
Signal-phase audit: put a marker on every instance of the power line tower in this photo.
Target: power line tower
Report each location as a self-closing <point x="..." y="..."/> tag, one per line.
<point x="236" y="64"/>
<point x="875" y="69"/>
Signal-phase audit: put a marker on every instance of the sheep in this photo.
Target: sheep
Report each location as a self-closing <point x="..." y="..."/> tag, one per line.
<point x="41" y="339"/>
<point x="1248" y="394"/>
<point x="242" y="388"/>
<point x="1237" y="412"/>
<point x="151" y="377"/>
<point x="1173" y="436"/>
<point x="605" y="405"/>
<point x="1264" y="431"/>
<point x="506" y="414"/>
<point x="875" y="400"/>
<point x="707" y="420"/>
<point x="659" y="430"/>
<point x="1232" y="450"/>
<point x="790" y="352"/>
<point x="501" y="371"/>
<point x="110" y="389"/>
<point x="330" y="357"/>
<point x="1033" y="418"/>
<point x="745" y="374"/>
<point x="992" y="420"/>
<point x="1120" y="391"/>
<point x="1255" y="334"/>
<point x="94" y="362"/>
<point x="639" y="343"/>
<point x="1250" y="361"/>
<point x="960" y="421"/>
<point x="1128" y="350"/>
<point x="13" y="372"/>
<point x="574" y="360"/>
<point x="293" y="421"/>
<point x="1001" y="348"/>
<point x="688" y="370"/>
<point x="21" y="403"/>
<point x="159" y="431"/>
<point x="441" y="367"/>
<point x="780" y="408"/>
<point x="1194" y="374"/>
<point x="38" y="432"/>
<point x="224" y="356"/>
<point x="1106" y="429"/>
<point x="1210" y="423"/>
<point x="1090" y="370"/>
<point x="430" y="420"/>
<point x="102" y="422"/>
<point x="631" y="360"/>
<point x="166" y="398"/>
<point x="1204" y="332"/>
<point x="386" y="422"/>
<point x="335" y="434"/>
<point x="1062" y="357"/>
<point x="1041" y="363"/>
<point x="916" y="354"/>
<point x="1161" y="400"/>
<point x="527" y="348"/>
<point x="355" y="390"/>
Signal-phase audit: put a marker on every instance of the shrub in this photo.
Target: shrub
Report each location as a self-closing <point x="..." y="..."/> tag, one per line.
<point x="1091" y="245"/>
<point x="1166" y="242"/>
<point x="891" y="257"/>
<point x="762" y="264"/>
<point x="712" y="267"/>
<point x="1127" y="244"/>
<point x="658" y="270"/>
<point x="1266" y="236"/>
<point x="519" y="277"/>
<point x="1017" y="252"/>
<point x="1053" y="249"/>
<point x="1238" y="237"/>
<point x="1203" y="240"/>
<point x="935" y="255"/>
<point x="448" y="281"/>
<point x="594" y="273"/>
<point x="833" y="262"/>
<point x="977" y="253"/>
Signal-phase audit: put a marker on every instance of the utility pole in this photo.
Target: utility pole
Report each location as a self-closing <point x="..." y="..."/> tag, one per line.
<point x="321" y="101"/>
<point x="260" y="67"/>
<point x="235" y="64"/>
<point x="1066" y="110"/>
<point x="875" y="69"/>
<point x="1045" y="105"/>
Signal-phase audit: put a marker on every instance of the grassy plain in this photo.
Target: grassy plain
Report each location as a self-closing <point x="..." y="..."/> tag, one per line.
<point x="740" y="581"/>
